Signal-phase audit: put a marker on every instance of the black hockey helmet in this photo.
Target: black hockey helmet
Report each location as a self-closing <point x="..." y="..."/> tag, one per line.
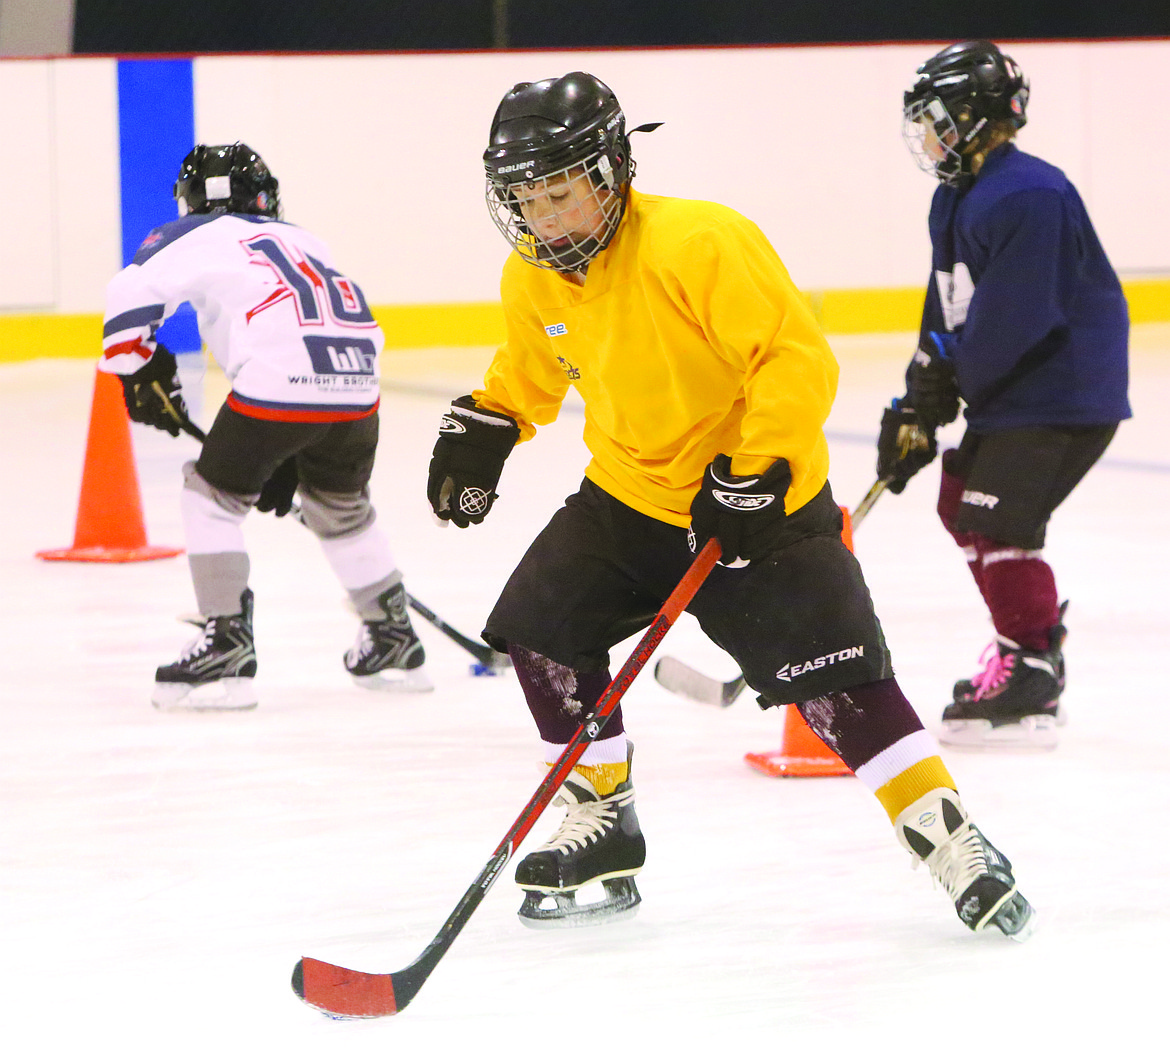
<point x="227" y="178"/>
<point x="545" y="129"/>
<point x="963" y="94"/>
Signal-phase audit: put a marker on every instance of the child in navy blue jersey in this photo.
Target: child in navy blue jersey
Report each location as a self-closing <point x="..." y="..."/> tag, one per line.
<point x="1025" y="323"/>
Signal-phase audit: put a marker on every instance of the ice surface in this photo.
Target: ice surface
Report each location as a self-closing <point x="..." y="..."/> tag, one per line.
<point x="160" y="874"/>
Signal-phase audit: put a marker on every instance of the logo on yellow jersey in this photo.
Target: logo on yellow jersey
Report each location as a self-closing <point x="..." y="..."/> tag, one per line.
<point x="571" y="371"/>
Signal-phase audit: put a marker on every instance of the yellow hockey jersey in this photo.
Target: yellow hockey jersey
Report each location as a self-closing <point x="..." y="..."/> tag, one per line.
<point x="688" y="339"/>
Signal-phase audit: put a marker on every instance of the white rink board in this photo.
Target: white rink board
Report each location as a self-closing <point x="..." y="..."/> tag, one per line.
<point x="380" y="155"/>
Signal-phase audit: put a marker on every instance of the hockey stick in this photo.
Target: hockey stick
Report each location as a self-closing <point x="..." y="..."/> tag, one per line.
<point x="490" y="659"/>
<point x="676" y="676"/>
<point x="870" y="499"/>
<point x="341" y="992"/>
<point x="191" y="428"/>
<point x="488" y="662"/>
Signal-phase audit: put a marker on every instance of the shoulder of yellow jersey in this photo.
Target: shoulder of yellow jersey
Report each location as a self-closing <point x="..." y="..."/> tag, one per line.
<point x="674" y="221"/>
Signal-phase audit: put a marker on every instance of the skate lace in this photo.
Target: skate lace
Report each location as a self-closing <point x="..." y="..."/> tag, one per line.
<point x="587" y="821"/>
<point x="362" y="646"/>
<point x="997" y="669"/>
<point x="960" y="860"/>
<point x="200" y="644"/>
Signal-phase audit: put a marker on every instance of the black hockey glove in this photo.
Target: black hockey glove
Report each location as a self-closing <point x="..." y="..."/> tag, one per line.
<point x="277" y="494"/>
<point x="468" y="459"/>
<point x="931" y="387"/>
<point x="152" y="393"/>
<point x="743" y="512"/>
<point x="904" y="446"/>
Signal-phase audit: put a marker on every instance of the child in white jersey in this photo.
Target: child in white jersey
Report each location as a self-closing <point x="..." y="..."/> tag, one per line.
<point x="296" y="339"/>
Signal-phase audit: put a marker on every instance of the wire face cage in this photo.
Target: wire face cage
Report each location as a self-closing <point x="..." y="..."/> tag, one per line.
<point x="560" y="220"/>
<point x="931" y="134"/>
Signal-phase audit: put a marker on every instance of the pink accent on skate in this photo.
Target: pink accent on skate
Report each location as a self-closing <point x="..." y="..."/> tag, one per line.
<point x="997" y="669"/>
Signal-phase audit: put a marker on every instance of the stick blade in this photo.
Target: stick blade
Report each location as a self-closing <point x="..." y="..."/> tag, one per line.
<point x="340" y="992"/>
<point x="676" y="676"/>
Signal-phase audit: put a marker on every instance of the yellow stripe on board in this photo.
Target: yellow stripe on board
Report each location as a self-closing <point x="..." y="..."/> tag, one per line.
<point x="868" y="310"/>
<point x="1149" y="299"/>
<point x="441" y="325"/>
<point x="25" y="337"/>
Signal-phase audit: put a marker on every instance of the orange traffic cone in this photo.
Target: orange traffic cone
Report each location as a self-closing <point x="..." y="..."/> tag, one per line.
<point x="802" y="752"/>
<point x="110" y="527"/>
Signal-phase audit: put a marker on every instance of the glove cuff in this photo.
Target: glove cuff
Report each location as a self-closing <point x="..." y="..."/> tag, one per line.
<point x="161" y="366"/>
<point x="467" y="422"/>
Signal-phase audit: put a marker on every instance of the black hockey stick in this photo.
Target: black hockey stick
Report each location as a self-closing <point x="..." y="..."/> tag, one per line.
<point x="489" y="658"/>
<point x="676" y="676"/>
<point x="190" y="427"/>
<point x="489" y="661"/>
<point x="341" y="992"/>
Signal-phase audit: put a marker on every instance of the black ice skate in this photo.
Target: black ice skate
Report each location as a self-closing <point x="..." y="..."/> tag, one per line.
<point x="387" y="656"/>
<point x="1014" y="701"/>
<point x="215" y="670"/>
<point x="976" y="876"/>
<point x="598" y="841"/>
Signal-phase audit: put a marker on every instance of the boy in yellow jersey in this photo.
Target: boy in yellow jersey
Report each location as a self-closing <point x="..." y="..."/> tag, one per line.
<point x="706" y="384"/>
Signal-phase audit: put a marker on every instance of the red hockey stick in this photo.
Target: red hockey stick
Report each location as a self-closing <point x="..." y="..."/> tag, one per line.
<point x="340" y="992"/>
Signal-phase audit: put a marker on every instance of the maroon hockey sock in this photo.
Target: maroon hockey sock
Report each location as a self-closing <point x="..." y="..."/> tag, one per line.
<point x="1020" y="590"/>
<point x="1016" y="584"/>
<point x="560" y="697"/>
<point x="859" y="723"/>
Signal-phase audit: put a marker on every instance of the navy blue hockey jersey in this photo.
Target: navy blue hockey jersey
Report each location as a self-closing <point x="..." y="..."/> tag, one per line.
<point x="1040" y="322"/>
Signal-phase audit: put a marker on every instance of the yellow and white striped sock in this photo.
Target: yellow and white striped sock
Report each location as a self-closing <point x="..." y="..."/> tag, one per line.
<point x="604" y="764"/>
<point x="905" y="771"/>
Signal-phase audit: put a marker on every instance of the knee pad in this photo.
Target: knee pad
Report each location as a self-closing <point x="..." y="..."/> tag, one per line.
<point x="211" y="517"/>
<point x="331" y="514"/>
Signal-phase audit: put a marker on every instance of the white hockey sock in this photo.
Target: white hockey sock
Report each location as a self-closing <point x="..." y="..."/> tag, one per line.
<point x="605" y="752"/>
<point x="360" y="560"/>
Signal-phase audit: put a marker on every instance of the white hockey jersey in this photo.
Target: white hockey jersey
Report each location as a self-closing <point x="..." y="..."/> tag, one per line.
<point x="294" y="336"/>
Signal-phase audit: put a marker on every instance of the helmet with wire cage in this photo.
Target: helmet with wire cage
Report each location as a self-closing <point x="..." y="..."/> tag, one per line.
<point x="227" y="178"/>
<point x="962" y="97"/>
<point x="564" y="130"/>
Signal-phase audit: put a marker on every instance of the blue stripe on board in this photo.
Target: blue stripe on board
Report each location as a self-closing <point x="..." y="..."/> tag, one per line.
<point x="156" y="130"/>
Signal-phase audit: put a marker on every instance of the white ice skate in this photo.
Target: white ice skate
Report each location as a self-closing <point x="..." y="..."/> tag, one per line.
<point x="975" y="875"/>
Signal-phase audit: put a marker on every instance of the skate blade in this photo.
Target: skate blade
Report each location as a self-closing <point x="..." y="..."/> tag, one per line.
<point x="1032" y="733"/>
<point x="560" y="910"/>
<point x="1016" y="918"/>
<point x="395" y="681"/>
<point x="228" y="693"/>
